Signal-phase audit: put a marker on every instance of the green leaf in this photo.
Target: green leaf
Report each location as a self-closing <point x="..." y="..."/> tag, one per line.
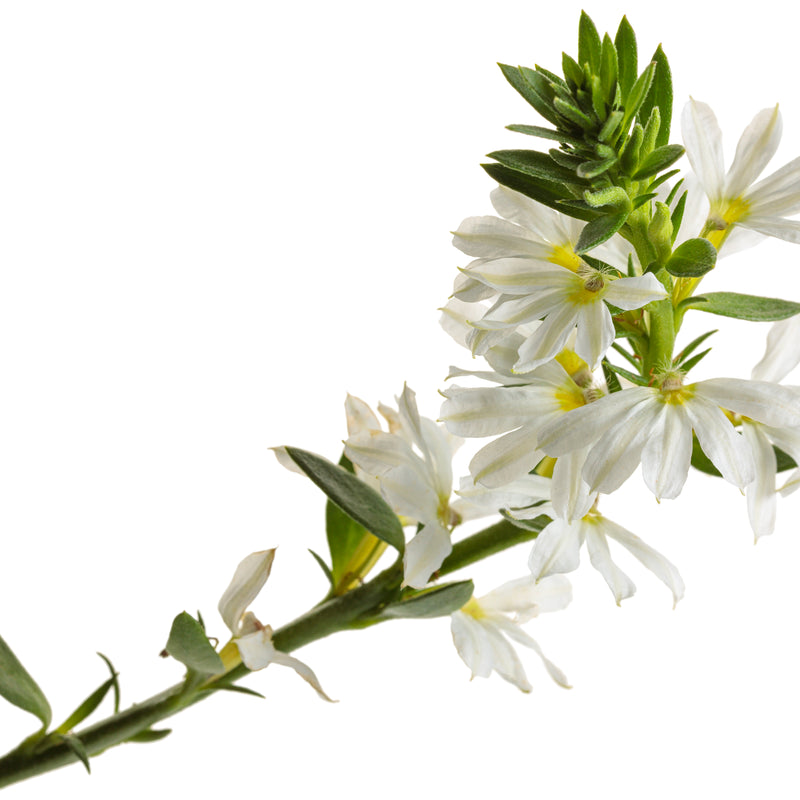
<point x="86" y="707"/>
<point x="534" y="163"/>
<point x="546" y="133"/>
<point x="572" y="113"/>
<point x="690" y="363"/>
<point x="115" y="676"/>
<point x="17" y="686"/>
<point x="627" y="57"/>
<point x="610" y="127"/>
<point x="572" y="72"/>
<point x="149" y="735"/>
<point x="549" y="193"/>
<point x="236" y="689"/>
<point x="589" y="46"/>
<point x="612" y="381"/>
<point x="189" y="644"/>
<point x="639" y="380"/>
<point x="438" y="601"/>
<point x="609" y="68"/>
<point x="637" y="95"/>
<point x="745" y="306"/>
<point x="77" y="747"/>
<point x="600" y="230"/>
<point x="690" y="348"/>
<point x="659" y="159"/>
<point x="591" y="169"/>
<point x="516" y="76"/>
<point x="693" y="258"/>
<point x="660" y="95"/>
<point x="323" y="566"/>
<point x="359" y="501"/>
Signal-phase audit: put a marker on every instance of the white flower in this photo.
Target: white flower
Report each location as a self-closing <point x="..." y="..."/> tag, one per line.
<point x="412" y="465"/>
<point x="762" y="208"/>
<point x="529" y="260"/>
<point x="254" y="640"/>
<point x="482" y="627"/>
<point x="557" y="550"/>
<point x="781" y="356"/>
<point x="565" y="300"/>
<point x="653" y="425"/>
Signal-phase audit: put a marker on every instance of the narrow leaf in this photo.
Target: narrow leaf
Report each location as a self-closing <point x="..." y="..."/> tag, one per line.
<point x="115" y="676"/>
<point x="546" y="133"/>
<point x="691" y="347"/>
<point x="17" y="686"/>
<point x="659" y="159"/>
<point x="746" y="306"/>
<point x="532" y="162"/>
<point x="516" y="77"/>
<point x="436" y="602"/>
<point x="589" y="46"/>
<point x="86" y="707"/>
<point x="639" y="380"/>
<point x="660" y="95"/>
<point x="77" y="747"/>
<point x="638" y="94"/>
<point x="189" y="644"/>
<point x="323" y="566"/>
<point x="600" y="230"/>
<point x="359" y="501"/>
<point x="627" y="57"/>
<point x="236" y="689"/>
<point x="693" y="258"/>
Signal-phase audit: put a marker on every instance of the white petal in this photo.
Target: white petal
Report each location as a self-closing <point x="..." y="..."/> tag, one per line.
<point x="360" y="417"/>
<point x="522" y="275"/>
<point x="570" y="492"/>
<point x="620" y="584"/>
<point x="303" y="670"/>
<point x="667" y="453"/>
<point x="468" y="637"/>
<point x="782" y="353"/>
<point x="490" y="237"/>
<point x="787" y="230"/>
<point x="518" y="635"/>
<point x="556" y="549"/>
<point x="756" y="147"/>
<point x="507" y="458"/>
<point x="528" y="597"/>
<point x="778" y="195"/>
<point x="548" y="340"/>
<point x="660" y="566"/>
<point x="545" y="222"/>
<point x="425" y="554"/>
<point x="762" y="499"/>
<point x="247" y="582"/>
<point x="720" y="442"/>
<point x="631" y="293"/>
<point x="765" y="402"/>
<point x="595" y="332"/>
<point x="703" y="140"/>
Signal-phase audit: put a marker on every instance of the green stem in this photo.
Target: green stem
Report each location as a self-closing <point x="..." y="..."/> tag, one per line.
<point x="331" y="616"/>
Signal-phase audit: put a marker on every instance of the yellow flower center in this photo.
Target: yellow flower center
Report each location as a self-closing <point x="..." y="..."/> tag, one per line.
<point x="589" y="290"/>
<point x="673" y="392"/>
<point x="473" y="608"/>
<point x="565" y="256"/>
<point x="569" y="396"/>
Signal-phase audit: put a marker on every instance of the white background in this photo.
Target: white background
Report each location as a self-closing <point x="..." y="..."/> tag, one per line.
<point x="217" y="219"/>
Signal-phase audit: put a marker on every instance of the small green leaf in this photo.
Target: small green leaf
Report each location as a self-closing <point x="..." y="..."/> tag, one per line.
<point x="693" y="258"/>
<point x="745" y="306"/>
<point x="572" y="113"/>
<point x="236" y="689"/>
<point x="659" y="159"/>
<point x="660" y="95"/>
<point x="612" y="381"/>
<point x="614" y="196"/>
<point x="17" y="686"/>
<point x="609" y="68"/>
<point x="323" y="566"/>
<point x="690" y="348"/>
<point x="625" y="43"/>
<point x="149" y="735"/>
<point x="591" y="169"/>
<point x="637" y="95"/>
<point x="516" y="76"/>
<point x="359" y="501"/>
<point x="532" y="162"/>
<point x="77" y="747"/>
<point x="115" y="676"/>
<point x="86" y="707"/>
<point x="546" y="133"/>
<point x="438" y="601"/>
<point x="572" y="72"/>
<point x="189" y="644"/>
<point x="600" y="230"/>
<point x="639" y="380"/>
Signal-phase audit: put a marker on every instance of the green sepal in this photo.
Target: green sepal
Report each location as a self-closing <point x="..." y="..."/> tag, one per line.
<point x="601" y="266"/>
<point x="689" y="364"/>
<point x="19" y="688"/>
<point x="690" y="348"/>
<point x="693" y="258"/>
<point x="77" y="747"/>
<point x="115" y="674"/>
<point x="358" y="500"/>
<point x="149" y="735"/>
<point x="639" y="380"/>
<point x="745" y="306"/>
<point x="86" y="707"/>
<point x="236" y="689"/>
<point x="677" y="214"/>
<point x="641" y="199"/>
<point x="600" y="230"/>
<point x="629" y="357"/>
<point x="659" y="159"/>
<point x="438" y="601"/>
<point x="660" y="96"/>
<point x="655" y="183"/>
<point x="189" y="644"/>
<point x="627" y="57"/>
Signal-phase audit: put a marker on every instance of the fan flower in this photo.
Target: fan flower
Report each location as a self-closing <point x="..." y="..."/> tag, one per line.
<point x="781" y="356"/>
<point x="557" y="550"/>
<point x="734" y="201"/>
<point x="482" y="627"/>
<point x="411" y="464"/>
<point x="252" y="639"/>
<point x="653" y="425"/>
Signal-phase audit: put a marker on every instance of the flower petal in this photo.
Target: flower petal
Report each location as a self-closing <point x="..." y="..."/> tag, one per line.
<point x="556" y="549"/>
<point x="620" y="584"/>
<point x="424" y="554"/>
<point x="631" y="293"/>
<point x="703" y="140"/>
<point x="762" y="499"/>
<point x="782" y="353"/>
<point x="490" y="237"/>
<point x="756" y="147"/>
<point x="667" y="452"/>
<point x="247" y="582"/>
<point x="765" y="402"/>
